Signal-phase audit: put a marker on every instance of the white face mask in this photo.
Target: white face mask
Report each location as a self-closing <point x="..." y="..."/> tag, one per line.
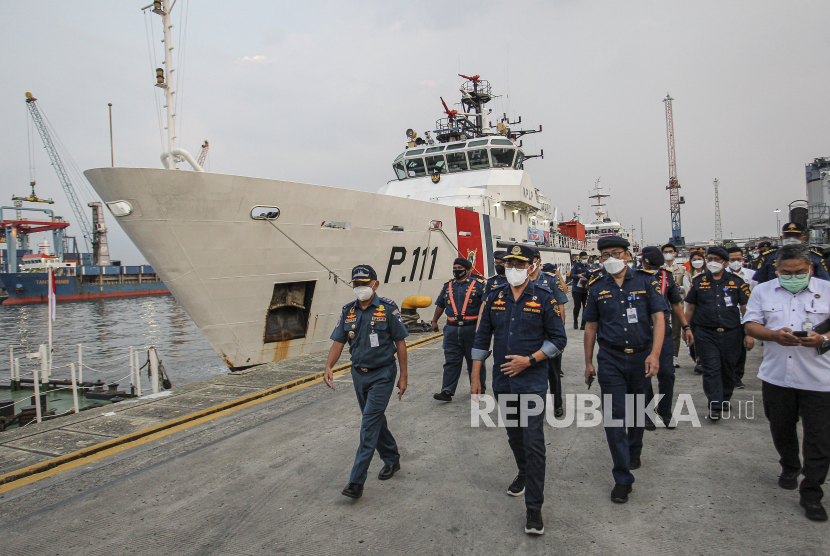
<point x="614" y="266"/>
<point x="714" y="267"/>
<point x="516" y="276"/>
<point x="363" y="293"/>
<point x="669" y="257"/>
<point x="735" y="265"/>
<point x="697" y="263"/>
<point x="790" y="241"/>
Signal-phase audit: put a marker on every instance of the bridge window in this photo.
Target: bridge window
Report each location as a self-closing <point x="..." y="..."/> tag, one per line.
<point x="456" y="146"/>
<point x="416" y="151"/>
<point x="400" y="156"/>
<point x="435" y="149"/>
<point x="502" y="157"/>
<point x="415" y="167"/>
<point x="398" y="166"/>
<point x="478" y="143"/>
<point x="501" y="142"/>
<point x="456" y="162"/>
<point x="520" y="158"/>
<point x="478" y="159"/>
<point x="436" y="164"/>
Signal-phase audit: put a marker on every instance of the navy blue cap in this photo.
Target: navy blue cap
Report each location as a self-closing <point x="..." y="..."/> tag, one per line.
<point x="499" y="255"/>
<point x="548" y="267"/>
<point x="653" y="256"/>
<point x="612" y="241"/>
<point x="521" y="253"/>
<point x="364" y="273"/>
<point x="536" y="252"/>
<point x="463" y="262"/>
<point x="792" y="228"/>
<point x="718" y="251"/>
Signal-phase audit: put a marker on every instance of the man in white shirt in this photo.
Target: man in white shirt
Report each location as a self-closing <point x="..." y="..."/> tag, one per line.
<point x="678" y="271"/>
<point x="796" y="377"/>
<point x="736" y="266"/>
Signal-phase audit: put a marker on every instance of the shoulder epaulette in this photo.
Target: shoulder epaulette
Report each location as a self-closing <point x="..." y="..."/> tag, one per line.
<point x="349" y="304"/>
<point x="499" y="286"/>
<point x="491" y="277"/>
<point x="646" y="271"/>
<point x="699" y="276"/>
<point x="596" y="277"/>
<point x="551" y="274"/>
<point x="767" y="252"/>
<point x="448" y="281"/>
<point x="481" y="280"/>
<point x="816" y="252"/>
<point x="387" y="300"/>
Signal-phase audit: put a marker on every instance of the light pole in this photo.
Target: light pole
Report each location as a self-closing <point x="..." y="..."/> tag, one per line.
<point x="777" y="222"/>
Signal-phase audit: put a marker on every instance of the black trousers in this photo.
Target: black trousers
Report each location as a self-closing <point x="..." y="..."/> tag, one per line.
<point x="783" y="407"/>
<point x="555" y="381"/>
<point x="718" y="353"/>
<point x="528" y="446"/>
<point x="580" y="301"/>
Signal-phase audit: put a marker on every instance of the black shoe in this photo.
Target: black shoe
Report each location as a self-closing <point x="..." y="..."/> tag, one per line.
<point x="666" y="417"/>
<point x="517" y="488"/>
<point x="699" y="369"/>
<point x="634" y="462"/>
<point x="789" y="480"/>
<point x="582" y="326"/>
<point x="650" y="426"/>
<point x="443" y="396"/>
<point x="812" y="509"/>
<point x="558" y="412"/>
<point x="576" y="325"/>
<point x="388" y="470"/>
<point x="620" y="493"/>
<point x="739" y="385"/>
<point x="353" y="490"/>
<point x="561" y="374"/>
<point x="714" y="415"/>
<point x="535" y="525"/>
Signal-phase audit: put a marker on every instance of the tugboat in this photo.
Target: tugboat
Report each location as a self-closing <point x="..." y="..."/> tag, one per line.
<point x="262" y="265"/>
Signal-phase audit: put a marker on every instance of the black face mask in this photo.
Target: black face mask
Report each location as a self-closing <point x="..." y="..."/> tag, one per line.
<point x="459" y="274"/>
<point x="500" y="269"/>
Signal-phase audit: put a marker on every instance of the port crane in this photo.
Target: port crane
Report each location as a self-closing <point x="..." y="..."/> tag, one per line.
<point x="674" y="185"/>
<point x="97" y="236"/>
<point x="203" y="153"/>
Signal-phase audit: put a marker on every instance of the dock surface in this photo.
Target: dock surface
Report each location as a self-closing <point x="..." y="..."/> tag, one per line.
<point x="264" y="477"/>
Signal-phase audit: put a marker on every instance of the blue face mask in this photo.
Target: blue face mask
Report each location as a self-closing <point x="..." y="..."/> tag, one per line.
<point x="794" y="283"/>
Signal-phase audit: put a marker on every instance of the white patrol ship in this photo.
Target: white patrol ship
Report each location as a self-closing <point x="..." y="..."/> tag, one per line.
<point x="262" y="265"/>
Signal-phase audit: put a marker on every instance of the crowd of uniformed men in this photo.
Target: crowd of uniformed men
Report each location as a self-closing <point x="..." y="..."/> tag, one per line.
<point x="634" y="313"/>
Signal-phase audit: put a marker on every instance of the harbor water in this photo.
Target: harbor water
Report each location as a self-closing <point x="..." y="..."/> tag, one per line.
<point x="107" y="328"/>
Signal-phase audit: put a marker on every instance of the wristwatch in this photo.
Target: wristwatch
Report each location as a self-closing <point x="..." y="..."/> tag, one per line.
<point x="826" y="342"/>
<point x="687" y="327"/>
<point x="533" y="359"/>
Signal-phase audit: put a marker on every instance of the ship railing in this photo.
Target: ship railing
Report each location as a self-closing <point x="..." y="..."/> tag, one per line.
<point x="482" y="87"/>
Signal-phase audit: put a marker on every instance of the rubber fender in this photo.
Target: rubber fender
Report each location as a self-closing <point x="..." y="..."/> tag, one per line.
<point x="416" y="302"/>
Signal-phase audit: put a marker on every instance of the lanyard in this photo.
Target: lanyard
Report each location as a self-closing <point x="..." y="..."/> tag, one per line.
<point x="664" y="283"/>
<point x="464" y="308"/>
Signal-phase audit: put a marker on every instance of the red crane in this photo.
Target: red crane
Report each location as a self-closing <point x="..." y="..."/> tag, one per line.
<point x="674" y="185"/>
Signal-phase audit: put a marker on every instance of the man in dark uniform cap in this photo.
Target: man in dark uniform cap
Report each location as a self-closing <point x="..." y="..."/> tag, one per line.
<point x="625" y="314"/>
<point x="497" y="278"/>
<point x="715" y="305"/>
<point x="653" y="261"/>
<point x="373" y="327"/>
<point x="792" y="233"/>
<point x="547" y="278"/>
<point x="579" y="283"/>
<point x="523" y="320"/>
<point x="461" y="297"/>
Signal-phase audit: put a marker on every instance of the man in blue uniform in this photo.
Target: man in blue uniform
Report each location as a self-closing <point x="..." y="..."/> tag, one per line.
<point x="551" y="281"/>
<point x="792" y="233"/>
<point x="625" y="314"/>
<point x="524" y="322"/>
<point x="653" y="261"/>
<point x="579" y="283"/>
<point x="497" y="278"/>
<point x="373" y="327"/>
<point x="461" y="298"/>
<point x="715" y="305"/>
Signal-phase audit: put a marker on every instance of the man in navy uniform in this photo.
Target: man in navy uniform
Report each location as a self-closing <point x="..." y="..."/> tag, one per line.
<point x="625" y="314"/>
<point x="523" y="320"/>
<point x="373" y="327"/>
<point x="551" y="281"/>
<point x="715" y="305"/>
<point x="497" y="278"/>
<point x="653" y="261"/>
<point x="461" y="297"/>
<point x="792" y="233"/>
<point x="579" y="282"/>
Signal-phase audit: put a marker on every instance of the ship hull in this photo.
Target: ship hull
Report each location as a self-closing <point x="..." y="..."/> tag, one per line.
<point x="32" y="287"/>
<point x="236" y="276"/>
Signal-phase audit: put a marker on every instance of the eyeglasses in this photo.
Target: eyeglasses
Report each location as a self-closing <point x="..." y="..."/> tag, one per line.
<point x="615" y="254"/>
<point x="516" y="264"/>
<point x="787" y="277"/>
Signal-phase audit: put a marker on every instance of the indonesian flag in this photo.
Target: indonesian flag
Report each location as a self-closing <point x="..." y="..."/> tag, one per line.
<point x="52" y="298"/>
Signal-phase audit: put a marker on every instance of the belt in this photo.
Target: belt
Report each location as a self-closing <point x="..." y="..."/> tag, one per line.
<point x="368" y="369"/>
<point x="717" y="329"/>
<point x="462" y="322"/>
<point x="625" y="349"/>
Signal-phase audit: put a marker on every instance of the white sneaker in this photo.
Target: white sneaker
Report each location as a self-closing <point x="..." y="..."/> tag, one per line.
<point x="676" y="363"/>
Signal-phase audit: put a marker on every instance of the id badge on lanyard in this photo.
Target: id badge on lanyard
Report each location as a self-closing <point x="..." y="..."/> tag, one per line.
<point x="631" y="313"/>
<point x="727" y="299"/>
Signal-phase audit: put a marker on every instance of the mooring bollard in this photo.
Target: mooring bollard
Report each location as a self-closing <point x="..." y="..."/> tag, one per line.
<point x="74" y="387"/>
<point x="37" y="396"/>
<point x="154" y="370"/>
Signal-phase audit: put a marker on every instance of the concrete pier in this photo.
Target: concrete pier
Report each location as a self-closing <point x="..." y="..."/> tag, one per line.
<point x="264" y="477"/>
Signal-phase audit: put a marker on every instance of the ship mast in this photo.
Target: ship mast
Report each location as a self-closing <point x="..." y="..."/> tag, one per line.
<point x="599" y="205"/>
<point x="173" y="154"/>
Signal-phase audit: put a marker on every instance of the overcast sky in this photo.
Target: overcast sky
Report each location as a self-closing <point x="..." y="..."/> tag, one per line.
<point x="323" y="92"/>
